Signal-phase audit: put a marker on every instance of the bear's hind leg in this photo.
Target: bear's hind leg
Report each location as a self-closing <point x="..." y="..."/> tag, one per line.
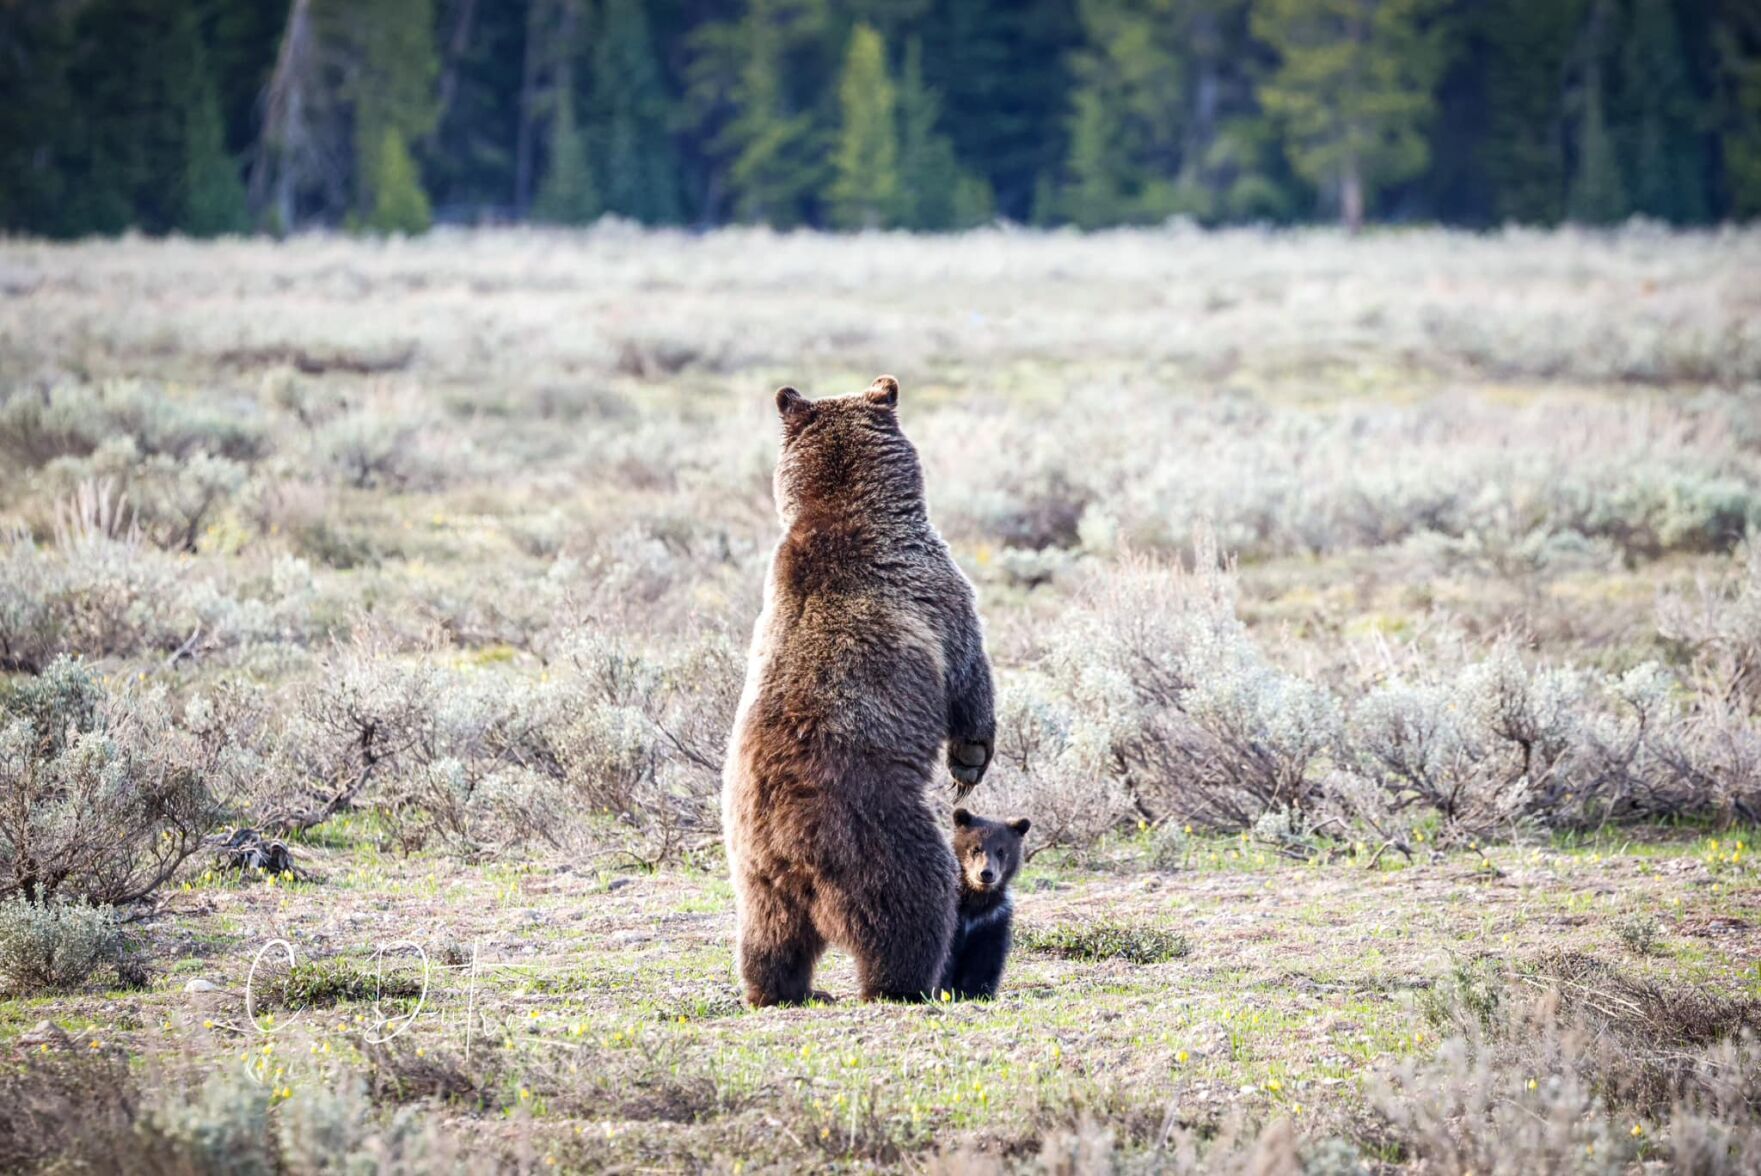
<point x="899" y="939"/>
<point x="778" y="948"/>
<point x="977" y="973"/>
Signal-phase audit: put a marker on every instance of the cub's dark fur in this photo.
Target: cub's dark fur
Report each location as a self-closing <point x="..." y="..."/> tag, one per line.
<point x="867" y="659"/>
<point x="989" y="853"/>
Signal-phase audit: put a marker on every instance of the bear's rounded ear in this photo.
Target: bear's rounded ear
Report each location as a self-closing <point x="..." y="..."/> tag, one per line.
<point x="883" y="393"/>
<point x="1021" y="826"/>
<point x="962" y="818"/>
<point x="790" y="402"/>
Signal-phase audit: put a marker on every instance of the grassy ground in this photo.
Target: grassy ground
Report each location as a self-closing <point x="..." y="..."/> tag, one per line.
<point x="421" y="480"/>
<point x="604" y="1028"/>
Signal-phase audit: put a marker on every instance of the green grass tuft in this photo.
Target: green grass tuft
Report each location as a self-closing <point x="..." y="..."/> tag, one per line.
<point x="1107" y="941"/>
<point x="336" y="981"/>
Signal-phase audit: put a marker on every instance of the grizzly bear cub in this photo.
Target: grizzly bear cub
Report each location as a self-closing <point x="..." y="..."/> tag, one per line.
<point x="989" y="853"/>
<point x="866" y="662"/>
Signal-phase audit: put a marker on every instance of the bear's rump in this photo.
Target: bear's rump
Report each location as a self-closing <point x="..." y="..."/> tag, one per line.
<point x="836" y="825"/>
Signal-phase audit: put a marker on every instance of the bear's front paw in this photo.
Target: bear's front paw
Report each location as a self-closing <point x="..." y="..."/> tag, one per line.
<point x="967" y="761"/>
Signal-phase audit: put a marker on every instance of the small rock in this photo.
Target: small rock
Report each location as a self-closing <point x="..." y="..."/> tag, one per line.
<point x="618" y="884"/>
<point x="46" y="1033"/>
<point x="200" y="985"/>
<point x="1212" y="1040"/>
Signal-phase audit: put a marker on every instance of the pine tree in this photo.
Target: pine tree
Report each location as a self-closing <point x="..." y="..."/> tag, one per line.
<point x="928" y="171"/>
<point x="865" y="187"/>
<point x="1527" y="47"/>
<point x="1128" y="117"/>
<point x="1002" y="68"/>
<point x="1737" y="42"/>
<point x="38" y="119"/>
<point x="774" y="146"/>
<point x="399" y="204"/>
<point x="1251" y="177"/>
<point x="393" y="67"/>
<point x="567" y="196"/>
<point x="1098" y="167"/>
<point x="935" y="190"/>
<point x="1598" y="197"/>
<point x="468" y="161"/>
<point x="130" y="73"/>
<point x="1353" y="90"/>
<point x="974" y="202"/>
<point x="637" y="164"/>
<point x="243" y="36"/>
<point x="1666" y="151"/>
<point x="214" y="197"/>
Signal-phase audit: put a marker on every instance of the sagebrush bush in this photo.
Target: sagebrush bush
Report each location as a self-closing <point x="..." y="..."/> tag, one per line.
<point x="1170" y="846"/>
<point x="105" y="794"/>
<point x="77" y="419"/>
<point x="104" y="597"/>
<point x="364" y="716"/>
<point x="337" y="1127"/>
<point x="1053" y="765"/>
<point x="1150" y="701"/>
<point x="1240" y="1145"/>
<point x="1640" y="933"/>
<point x="481" y="760"/>
<point x="54" y="946"/>
<point x="650" y="752"/>
<point x="1566" y="1064"/>
<point x="100" y="597"/>
<point x="1521" y="488"/>
<point x="1193" y="721"/>
<point x="1481" y="750"/>
<point x="1719" y="628"/>
<point x="175" y="499"/>
<point x="167" y="499"/>
<point x="366" y="448"/>
<point x="85" y="1110"/>
<point x="1503" y="743"/>
<point x="1469" y="1110"/>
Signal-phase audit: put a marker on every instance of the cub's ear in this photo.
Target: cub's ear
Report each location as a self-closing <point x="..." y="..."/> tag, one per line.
<point x="1020" y="827"/>
<point x="883" y="393"/>
<point x="962" y="818"/>
<point x="790" y="402"/>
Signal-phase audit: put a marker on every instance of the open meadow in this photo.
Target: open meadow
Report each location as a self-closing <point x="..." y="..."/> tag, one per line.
<point x="1377" y="627"/>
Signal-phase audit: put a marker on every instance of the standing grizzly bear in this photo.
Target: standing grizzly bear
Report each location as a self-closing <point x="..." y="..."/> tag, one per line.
<point x="867" y="658"/>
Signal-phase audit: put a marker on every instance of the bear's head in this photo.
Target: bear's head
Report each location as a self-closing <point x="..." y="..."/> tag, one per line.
<point x="846" y="453"/>
<point x="989" y="852"/>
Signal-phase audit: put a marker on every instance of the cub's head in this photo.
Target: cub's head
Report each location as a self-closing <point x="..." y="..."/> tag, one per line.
<point x="989" y="852"/>
<point x="846" y="451"/>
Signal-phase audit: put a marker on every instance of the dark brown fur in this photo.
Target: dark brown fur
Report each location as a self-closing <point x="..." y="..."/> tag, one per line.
<point x="866" y="660"/>
<point x="988" y="854"/>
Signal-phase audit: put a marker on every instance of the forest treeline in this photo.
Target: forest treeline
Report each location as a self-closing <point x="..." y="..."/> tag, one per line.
<point x="216" y="116"/>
